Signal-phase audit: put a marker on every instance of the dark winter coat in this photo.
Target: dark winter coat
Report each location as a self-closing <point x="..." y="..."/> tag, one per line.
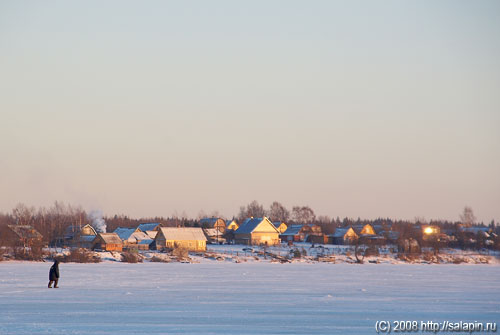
<point x="54" y="271"/>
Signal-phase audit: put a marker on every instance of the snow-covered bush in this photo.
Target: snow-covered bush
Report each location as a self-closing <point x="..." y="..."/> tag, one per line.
<point x="131" y="257"/>
<point x="180" y="253"/>
<point x="79" y="255"/>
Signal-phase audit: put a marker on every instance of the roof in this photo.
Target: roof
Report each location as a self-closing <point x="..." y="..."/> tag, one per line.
<point x="25" y="231"/>
<point x="148" y="226"/>
<point x="293" y="230"/>
<point x="211" y="232"/>
<point x="250" y="224"/>
<point x="358" y="228"/>
<point x="86" y="238"/>
<point x="183" y="234"/>
<point x="146" y="241"/>
<point x="474" y="230"/>
<point x="139" y="236"/>
<point x="228" y="222"/>
<point x="110" y="238"/>
<point x="340" y="232"/>
<point x="209" y="220"/>
<point x="124" y="232"/>
<point x="151" y="233"/>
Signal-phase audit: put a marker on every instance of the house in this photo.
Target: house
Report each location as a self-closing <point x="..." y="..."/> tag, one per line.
<point x="364" y="230"/>
<point x="107" y="242"/>
<point x="215" y="223"/>
<point x="214" y="236"/>
<point x="292" y="234"/>
<point x="231" y="225"/>
<point x="303" y="233"/>
<point x="191" y="239"/>
<point x="257" y="231"/>
<point x="79" y="236"/>
<point x="344" y="236"/>
<point x="20" y="235"/>
<point x="281" y="226"/>
<point x="131" y="238"/>
<point x="150" y="228"/>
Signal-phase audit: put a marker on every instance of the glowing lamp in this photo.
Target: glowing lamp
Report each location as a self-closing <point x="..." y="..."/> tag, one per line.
<point x="428" y="230"/>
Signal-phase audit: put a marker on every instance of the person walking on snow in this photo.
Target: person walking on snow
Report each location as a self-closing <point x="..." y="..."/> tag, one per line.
<point x="54" y="274"/>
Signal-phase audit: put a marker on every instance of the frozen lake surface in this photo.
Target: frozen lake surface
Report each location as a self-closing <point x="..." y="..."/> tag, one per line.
<point x="246" y="298"/>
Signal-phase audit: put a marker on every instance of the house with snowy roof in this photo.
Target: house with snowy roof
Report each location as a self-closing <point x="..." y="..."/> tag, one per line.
<point x="107" y="242"/>
<point x="192" y="239"/>
<point x="257" y="231"/>
<point x="132" y="238"/>
<point x="150" y="228"/>
<point x="214" y="236"/>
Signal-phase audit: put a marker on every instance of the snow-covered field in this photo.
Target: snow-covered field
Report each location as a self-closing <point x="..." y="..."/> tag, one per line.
<point x="245" y="298"/>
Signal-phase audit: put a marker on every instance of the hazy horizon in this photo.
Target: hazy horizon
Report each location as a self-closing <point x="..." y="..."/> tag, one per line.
<point x="356" y="109"/>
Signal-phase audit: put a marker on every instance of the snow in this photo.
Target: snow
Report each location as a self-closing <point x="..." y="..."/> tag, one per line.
<point x="246" y="298"/>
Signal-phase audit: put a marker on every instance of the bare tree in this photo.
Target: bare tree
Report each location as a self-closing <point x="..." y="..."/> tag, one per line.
<point x="278" y="212"/>
<point x="253" y="209"/>
<point x="326" y="224"/>
<point x="303" y="214"/>
<point x="467" y="217"/>
<point x="23" y="214"/>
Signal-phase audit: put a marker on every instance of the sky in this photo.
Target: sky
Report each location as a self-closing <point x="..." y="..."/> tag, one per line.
<point x="157" y="108"/>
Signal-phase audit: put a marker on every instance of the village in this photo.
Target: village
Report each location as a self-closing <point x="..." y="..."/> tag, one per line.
<point x="255" y="239"/>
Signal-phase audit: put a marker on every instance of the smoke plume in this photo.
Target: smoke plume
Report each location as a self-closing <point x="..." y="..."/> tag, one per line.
<point x="98" y="222"/>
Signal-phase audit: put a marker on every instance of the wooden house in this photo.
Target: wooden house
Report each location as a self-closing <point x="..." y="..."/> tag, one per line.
<point x="257" y="231"/>
<point x="303" y="233"/>
<point x="79" y="236"/>
<point x="20" y="236"/>
<point x="231" y="227"/>
<point x="214" y="223"/>
<point x="292" y="234"/>
<point x="344" y="236"/>
<point x="169" y="238"/>
<point x="214" y="236"/>
<point x="281" y="226"/>
<point x="108" y="242"/>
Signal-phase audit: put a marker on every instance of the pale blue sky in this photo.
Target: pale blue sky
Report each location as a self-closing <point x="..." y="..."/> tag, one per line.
<point x="355" y="108"/>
